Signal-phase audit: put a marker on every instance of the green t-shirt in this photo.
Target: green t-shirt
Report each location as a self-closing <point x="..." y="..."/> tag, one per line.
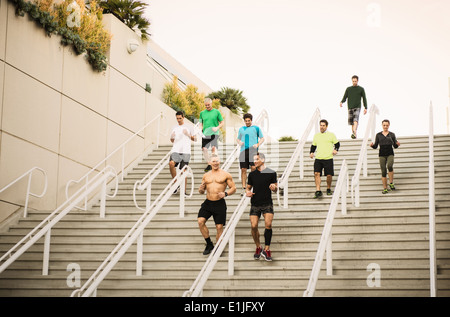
<point x="210" y="119"/>
<point x="325" y="145"/>
<point x="354" y="95"/>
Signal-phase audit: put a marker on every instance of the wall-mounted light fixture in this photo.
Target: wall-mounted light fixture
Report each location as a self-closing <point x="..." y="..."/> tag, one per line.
<point x="132" y="45"/>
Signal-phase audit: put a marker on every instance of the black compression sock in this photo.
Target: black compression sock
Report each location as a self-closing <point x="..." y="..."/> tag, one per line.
<point x="208" y="240"/>
<point x="267" y="236"/>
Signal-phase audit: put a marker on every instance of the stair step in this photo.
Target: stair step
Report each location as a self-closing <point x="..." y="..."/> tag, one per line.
<point x="390" y="230"/>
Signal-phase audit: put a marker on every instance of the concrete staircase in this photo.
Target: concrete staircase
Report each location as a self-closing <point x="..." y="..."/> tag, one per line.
<point x="389" y="230"/>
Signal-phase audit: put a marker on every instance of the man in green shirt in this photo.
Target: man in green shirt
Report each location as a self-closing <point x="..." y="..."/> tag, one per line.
<point x="211" y="121"/>
<point x="354" y="94"/>
<point x="327" y="146"/>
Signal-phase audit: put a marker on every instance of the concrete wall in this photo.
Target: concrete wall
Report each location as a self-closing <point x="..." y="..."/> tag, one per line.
<point x="60" y="115"/>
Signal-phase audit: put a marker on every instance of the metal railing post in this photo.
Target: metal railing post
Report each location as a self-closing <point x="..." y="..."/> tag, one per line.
<point x="231" y="254"/>
<point x="432" y="206"/>
<point x="325" y="244"/>
<point x="301" y="163"/>
<point x="329" y="255"/>
<point x="139" y="253"/>
<point x="103" y="200"/>
<point x="46" y="255"/>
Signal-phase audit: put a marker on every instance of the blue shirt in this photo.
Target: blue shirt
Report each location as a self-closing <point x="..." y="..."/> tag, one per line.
<point x="249" y="135"/>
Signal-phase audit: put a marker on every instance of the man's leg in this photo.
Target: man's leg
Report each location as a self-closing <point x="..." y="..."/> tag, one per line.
<point x="329" y="181"/>
<point x="205" y="233"/>
<point x="206" y="154"/>
<point x="268" y="218"/>
<point x="219" y="228"/>
<point x="355" y="127"/>
<point x="254" y="219"/>
<point x="202" y="226"/>
<point x="244" y="177"/>
<point x="172" y="169"/>
<point x="317" y="180"/>
<point x="254" y="229"/>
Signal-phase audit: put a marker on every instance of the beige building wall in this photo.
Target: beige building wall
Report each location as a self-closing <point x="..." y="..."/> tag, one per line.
<point x="58" y="114"/>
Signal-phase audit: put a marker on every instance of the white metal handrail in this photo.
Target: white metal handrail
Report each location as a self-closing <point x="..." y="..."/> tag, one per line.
<point x="146" y="182"/>
<point x="85" y="178"/>
<point x="432" y="206"/>
<point x="135" y="234"/>
<point x="227" y="237"/>
<point x="29" y="173"/>
<point x="298" y="154"/>
<point x="325" y="244"/>
<point x="362" y="159"/>
<point x="44" y="228"/>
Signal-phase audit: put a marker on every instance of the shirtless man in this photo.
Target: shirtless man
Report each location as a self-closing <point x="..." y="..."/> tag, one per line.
<point x="215" y="183"/>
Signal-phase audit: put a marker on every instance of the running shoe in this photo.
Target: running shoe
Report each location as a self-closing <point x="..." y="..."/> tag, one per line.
<point x="329" y="192"/>
<point x="353" y="136"/>
<point x="257" y="254"/>
<point x="177" y="190"/>
<point x="392" y="186"/>
<point x="266" y="254"/>
<point x="208" y="249"/>
<point x="385" y="191"/>
<point x="317" y="194"/>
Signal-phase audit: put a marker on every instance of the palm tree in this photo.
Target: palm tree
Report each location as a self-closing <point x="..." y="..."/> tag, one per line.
<point x="231" y="98"/>
<point x="129" y="12"/>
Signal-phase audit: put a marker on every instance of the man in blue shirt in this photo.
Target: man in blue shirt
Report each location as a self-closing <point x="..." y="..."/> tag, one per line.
<point x="250" y="137"/>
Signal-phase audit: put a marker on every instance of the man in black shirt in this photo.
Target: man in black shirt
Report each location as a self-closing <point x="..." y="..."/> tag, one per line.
<point x="263" y="180"/>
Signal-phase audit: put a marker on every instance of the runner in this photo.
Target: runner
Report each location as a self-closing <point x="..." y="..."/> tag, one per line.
<point x="211" y="121"/>
<point x="215" y="183"/>
<point x="386" y="140"/>
<point x="181" y="137"/>
<point x="354" y="94"/>
<point x="250" y="137"/>
<point x="327" y="146"/>
<point x="263" y="180"/>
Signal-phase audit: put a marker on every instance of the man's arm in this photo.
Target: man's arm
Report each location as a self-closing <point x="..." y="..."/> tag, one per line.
<point x="248" y="191"/>
<point x="364" y="98"/>
<point x="221" y="123"/>
<point x="202" y="187"/>
<point x="312" y="150"/>
<point x="345" y="97"/>
<point x="259" y="143"/>
<point x="231" y="185"/>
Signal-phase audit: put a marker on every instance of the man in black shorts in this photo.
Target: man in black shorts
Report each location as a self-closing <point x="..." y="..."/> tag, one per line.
<point x="215" y="183"/>
<point x="211" y="121"/>
<point x="327" y="146"/>
<point x="263" y="180"/>
<point x="250" y="137"/>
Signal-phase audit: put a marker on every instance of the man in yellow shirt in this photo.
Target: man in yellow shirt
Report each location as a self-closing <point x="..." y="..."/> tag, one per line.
<point x="327" y="146"/>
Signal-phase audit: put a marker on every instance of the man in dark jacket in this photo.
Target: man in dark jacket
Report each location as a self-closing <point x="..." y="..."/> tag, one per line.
<point x="354" y="94"/>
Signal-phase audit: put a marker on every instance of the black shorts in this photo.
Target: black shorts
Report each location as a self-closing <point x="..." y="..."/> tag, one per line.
<point x="210" y="140"/>
<point x="246" y="157"/>
<point x="215" y="208"/>
<point x="180" y="159"/>
<point x="258" y="210"/>
<point x="326" y="165"/>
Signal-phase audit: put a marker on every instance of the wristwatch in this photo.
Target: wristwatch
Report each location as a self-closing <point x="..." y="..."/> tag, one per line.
<point x="226" y="194"/>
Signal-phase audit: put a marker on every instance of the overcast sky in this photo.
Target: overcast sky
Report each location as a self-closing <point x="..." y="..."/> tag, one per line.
<point x="291" y="56"/>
